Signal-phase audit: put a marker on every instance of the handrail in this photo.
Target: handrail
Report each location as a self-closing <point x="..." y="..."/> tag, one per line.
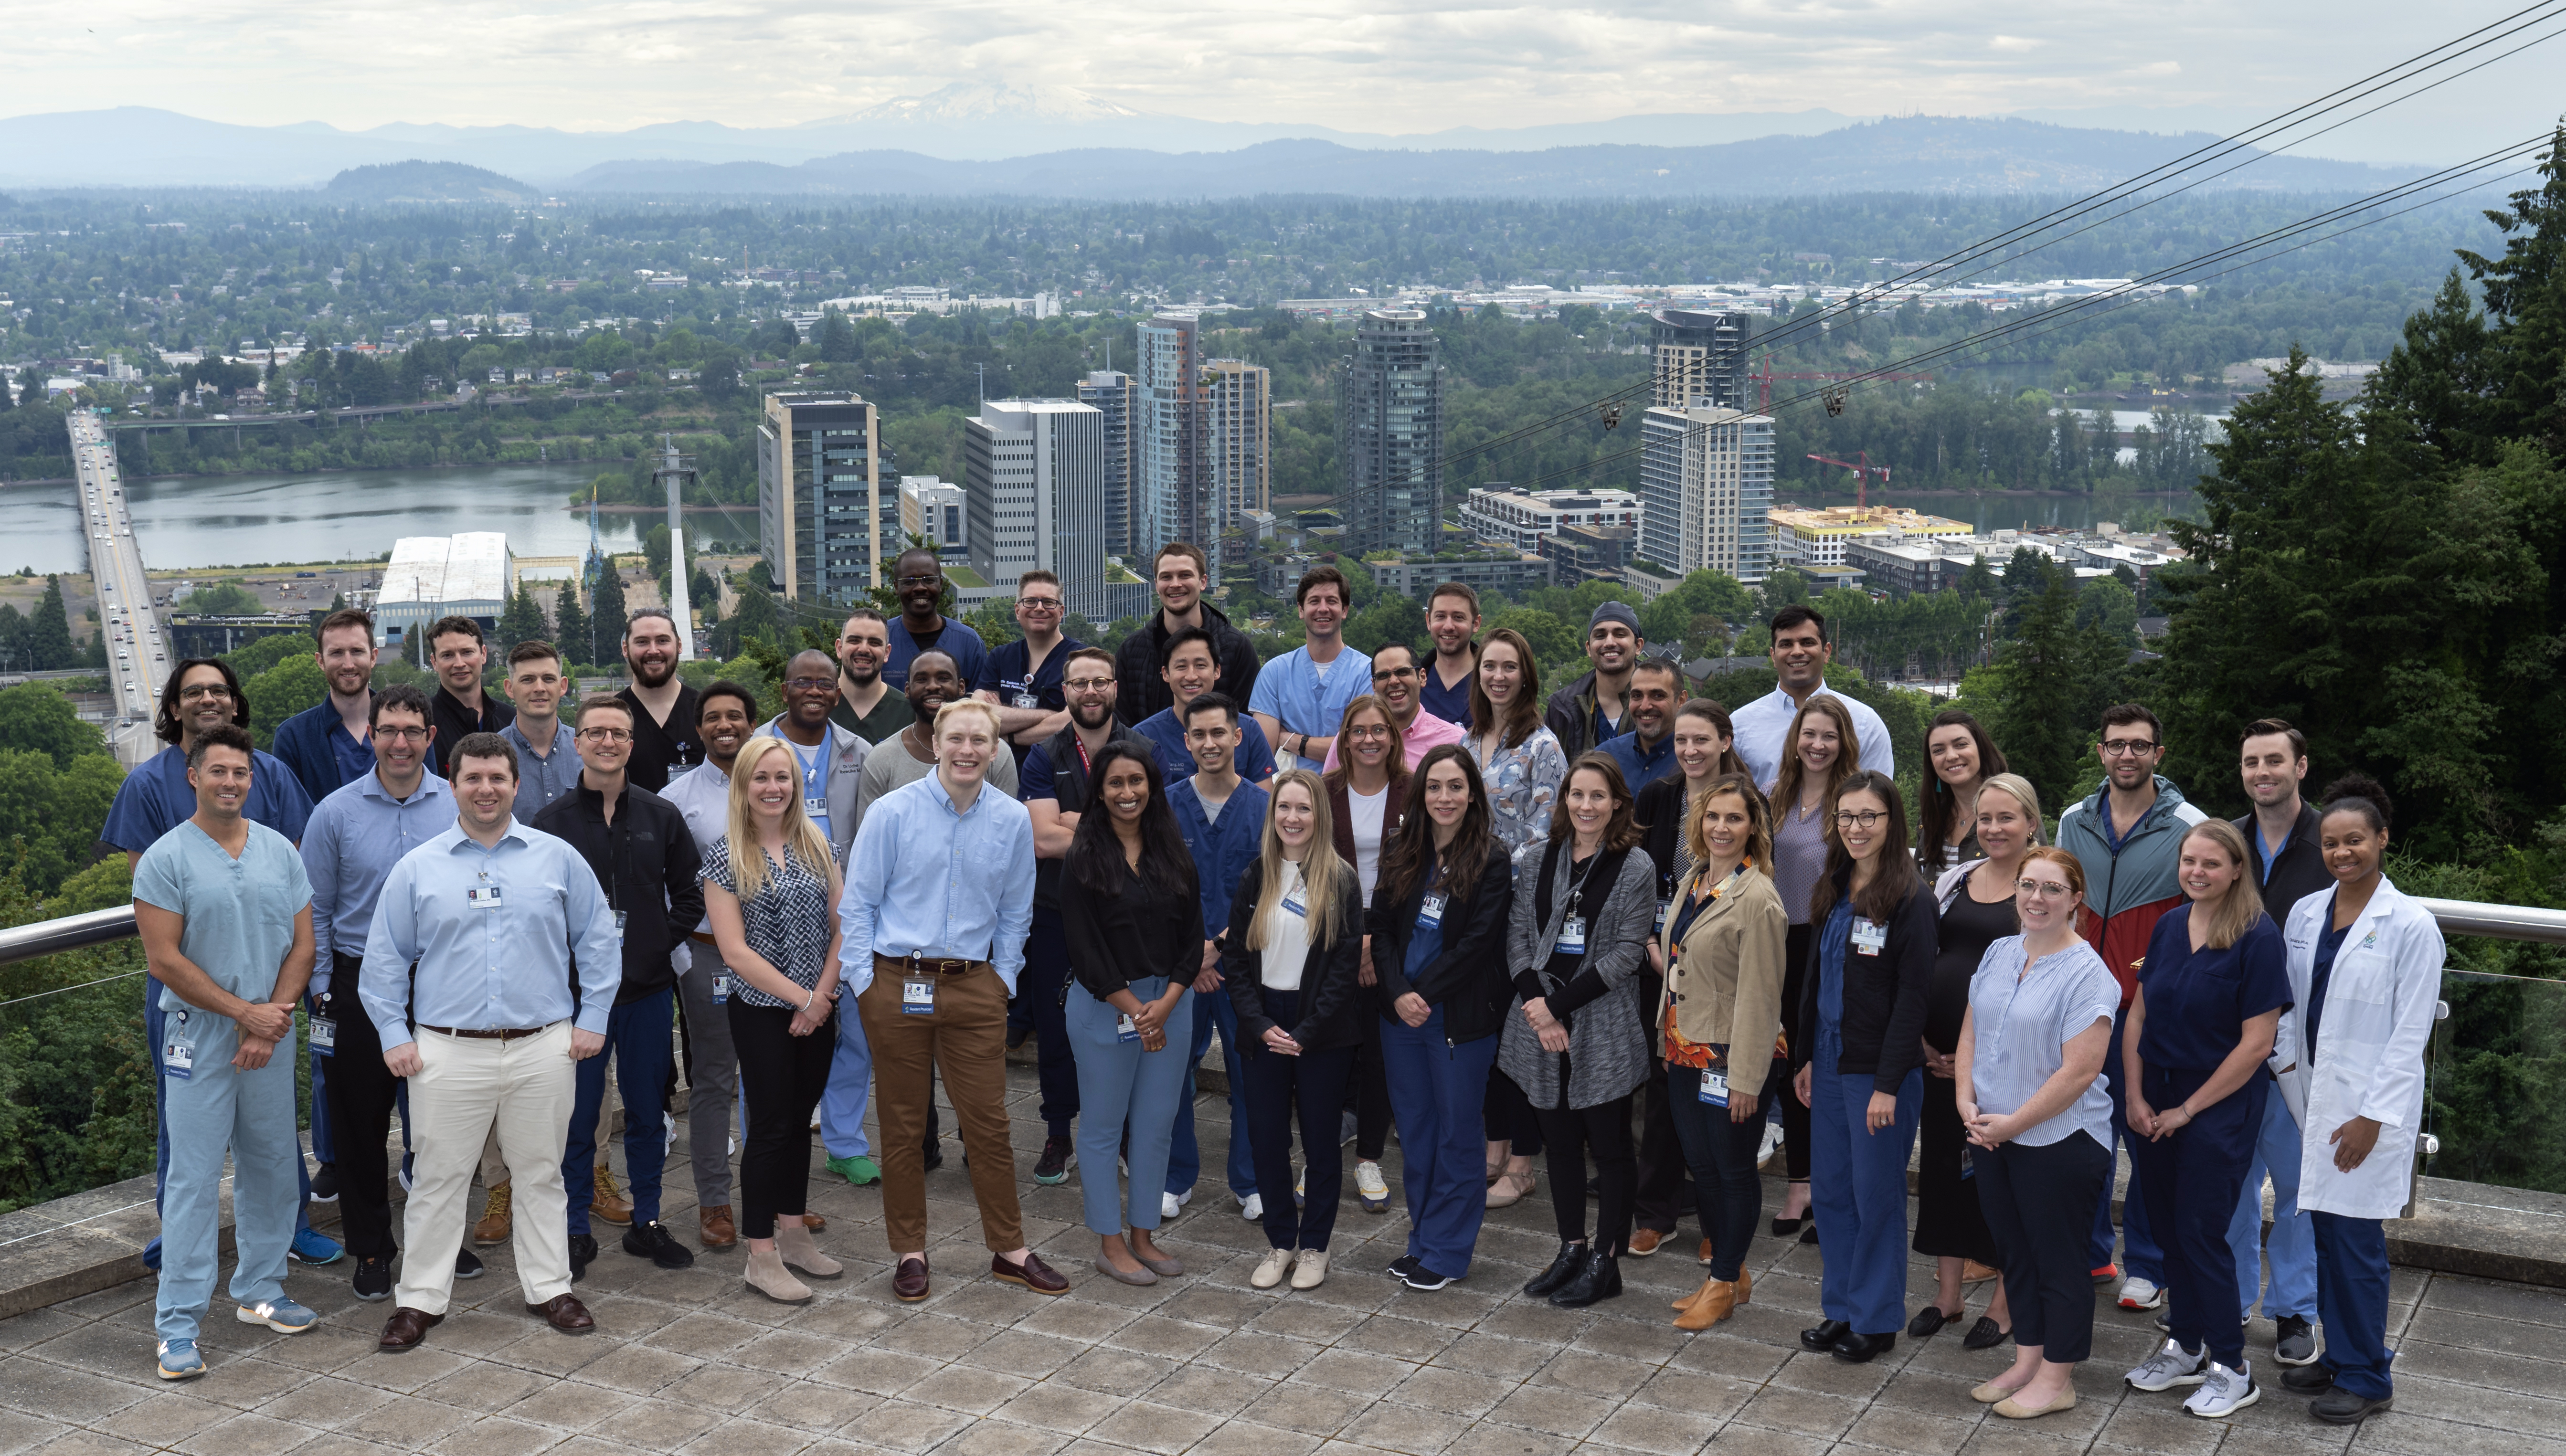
<point x="2497" y="922"/>
<point x="71" y="932"/>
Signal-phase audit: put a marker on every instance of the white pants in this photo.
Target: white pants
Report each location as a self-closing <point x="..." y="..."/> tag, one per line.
<point x="466" y="1089"/>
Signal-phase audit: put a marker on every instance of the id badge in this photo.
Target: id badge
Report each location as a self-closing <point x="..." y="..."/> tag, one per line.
<point x="1429" y="912"/>
<point x="1126" y="1031"/>
<point x="1572" y="935"/>
<point x="1870" y="937"/>
<point x="1293" y="903"/>
<point x="322" y="1033"/>
<point x="619" y="928"/>
<point x="482" y="896"/>
<point x="178" y="1055"/>
<point x="1715" y="1087"/>
<point x="1968" y="1161"/>
<point x="721" y="989"/>
<point x="1665" y="909"/>
<point x="918" y="997"/>
<point x="1028" y="700"/>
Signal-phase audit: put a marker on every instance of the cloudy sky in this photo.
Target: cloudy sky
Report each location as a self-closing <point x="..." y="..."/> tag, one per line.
<point x="1396" y="66"/>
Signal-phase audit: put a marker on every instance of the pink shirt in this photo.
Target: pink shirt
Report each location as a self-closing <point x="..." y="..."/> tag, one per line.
<point x="1425" y="732"/>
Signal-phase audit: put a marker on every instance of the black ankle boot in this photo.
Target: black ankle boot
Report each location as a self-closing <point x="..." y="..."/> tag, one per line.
<point x="1601" y="1279"/>
<point x="1571" y="1260"/>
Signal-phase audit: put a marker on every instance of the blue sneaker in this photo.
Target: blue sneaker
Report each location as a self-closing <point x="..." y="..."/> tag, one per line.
<point x="315" y="1248"/>
<point x="180" y="1361"/>
<point x="151" y="1255"/>
<point x="280" y="1314"/>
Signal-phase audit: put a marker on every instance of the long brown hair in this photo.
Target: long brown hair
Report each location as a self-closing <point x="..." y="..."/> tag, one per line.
<point x="1402" y="860"/>
<point x="1759" y="821"/>
<point x="1319" y="863"/>
<point x="1934" y="815"/>
<point x="1337" y="778"/>
<point x="1786" y="783"/>
<point x="1896" y="877"/>
<point x="1622" y="830"/>
<point x="1710" y="711"/>
<point x="1523" y="714"/>
<point x="2235" y="912"/>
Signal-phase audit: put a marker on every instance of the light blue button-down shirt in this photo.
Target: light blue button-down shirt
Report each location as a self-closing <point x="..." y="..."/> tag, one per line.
<point x="548" y="776"/>
<point x="2022" y="1026"/>
<point x="922" y="878"/>
<point x="350" y="845"/>
<point x="492" y="969"/>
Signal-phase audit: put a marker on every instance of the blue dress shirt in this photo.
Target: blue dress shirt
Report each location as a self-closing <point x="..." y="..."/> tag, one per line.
<point x="156" y="798"/>
<point x="1222" y="848"/>
<point x="1253" y="757"/>
<point x="1639" y="765"/>
<point x="350" y="846"/>
<point x="322" y="754"/>
<point x="923" y="877"/>
<point x="547" y="777"/>
<point x="1293" y="691"/>
<point x="490" y="969"/>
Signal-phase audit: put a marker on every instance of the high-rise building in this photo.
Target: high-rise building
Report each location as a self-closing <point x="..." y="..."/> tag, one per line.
<point x="1114" y="395"/>
<point x="1701" y="356"/>
<point x="1033" y="487"/>
<point x="828" y="516"/>
<point x="1169" y="500"/>
<point x="1389" y="430"/>
<point x="1705" y="486"/>
<point x="932" y="508"/>
<point x="1238" y="441"/>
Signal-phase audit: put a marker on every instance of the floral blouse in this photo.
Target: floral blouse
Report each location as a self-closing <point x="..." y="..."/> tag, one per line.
<point x="1522" y="782"/>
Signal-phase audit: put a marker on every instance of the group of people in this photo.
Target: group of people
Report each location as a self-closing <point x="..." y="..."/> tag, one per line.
<point x="1611" y="926"/>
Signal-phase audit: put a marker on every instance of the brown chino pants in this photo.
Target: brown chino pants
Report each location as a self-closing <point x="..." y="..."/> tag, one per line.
<point x="965" y="1039"/>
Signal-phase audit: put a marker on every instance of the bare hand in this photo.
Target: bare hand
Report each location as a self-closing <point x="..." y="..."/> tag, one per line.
<point x="2353" y="1142"/>
<point x="1537" y="1011"/>
<point x="267" y="1022"/>
<point x="807" y="1019"/>
<point x="2140" y="1117"/>
<point x="1364" y="974"/>
<point x="1554" y="1038"/>
<point x="1411" y="1009"/>
<point x="584" y="1045"/>
<point x="1800" y="1085"/>
<point x="1210" y="961"/>
<point x="1743" y="1108"/>
<point x="1881" y="1112"/>
<point x="1151" y="1019"/>
<point x="253" y="1053"/>
<point x="1987" y="1129"/>
<point x="1279" y="1040"/>
<point x="1939" y="1063"/>
<point x="402" y="1060"/>
<point x="1658" y="958"/>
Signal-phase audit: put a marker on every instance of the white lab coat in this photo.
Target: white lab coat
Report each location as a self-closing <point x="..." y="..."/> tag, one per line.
<point x="2378" y="1022"/>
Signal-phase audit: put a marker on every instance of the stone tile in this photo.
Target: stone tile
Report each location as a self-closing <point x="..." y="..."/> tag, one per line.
<point x="637" y="1369"/>
<point x="246" y="1384"/>
<point x="2426" y="1436"/>
<point x="746" y="1437"/>
<point x="877" y="1370"/>
<point x="20" y="1432"/>
<point x="937" y="1336"/>
<point x="91" y="1443"/>
<point x="959" y="1387"/>
<point x="2156" y="1426"/>
<point x="1242" y="1438"/>
<point x="1592" y="1375"/>
<point x="339" y="1443"/>
<point x="723" y="1387"/>
<point x="1115" y="1371"/>
<point x="25" y="1331"/>
<point x="1679" y="1389"/>
<point x="1022" y="1352"/>
<point x="1894" y="1430"/>
<point x="1000" y="1438"/>
<point x="1071" y="1317"/>
<point x="1412" y="1341"/>
<point x="1203" y="1303"/>
<point x="167" y="1418"/>
<point x="658" y="1425"/>
<point x="487" y="1385"/>
<point x="1649" y="1428"/>
<point x="2477" y="1406"/>
<point x="704" y="1334"/>
<point x="1200" y="1387"/>
<point x="111" y="1349"/>
<point x="1557" y="1412"/>
<point x="1452" y="1392"/>
<point x="1266" y="1356"/>
<point x="1488" y="1354"/>
<point x="1055" y="1406"/>
<point x="1302" y="1319"/>
<point x="1489" y="1439"/>
<point x="1629" y="1339"/>
<point x="2528" y="1374"/>
<point x="1800" y="1412"/>
<point x="409" y="1423"/>
<point x="58" y="1393"/>
<point x="1313" y="1410"/>
<point x="1160" y="1336"/>
<point x="811" y="1407"/>
<point x="1147" y="1426"/>
<point x="1825" y="1375"/>
<point x="326" y="1404"/>
<point x="1351" y="1370"/>
<point x="1390" y="1426"/>
<point x="2500" y="1300"/>
<point x="904" y="1425"/>
<point x="246" y="1435"/>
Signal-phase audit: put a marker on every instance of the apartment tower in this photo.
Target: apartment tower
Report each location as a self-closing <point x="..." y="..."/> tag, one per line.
<point x="1389" y="430"/>
<point x="1705" y="486"/>
<point x="1034" y="495"/>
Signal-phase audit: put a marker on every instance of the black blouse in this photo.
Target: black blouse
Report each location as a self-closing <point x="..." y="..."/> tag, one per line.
<point x="1132" y="932"/>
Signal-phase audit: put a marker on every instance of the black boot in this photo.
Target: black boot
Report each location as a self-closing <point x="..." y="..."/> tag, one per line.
<point x="1824" y="1336"/>
<point x="1601" y="1279"/>
<point x="1571" y="1260"/>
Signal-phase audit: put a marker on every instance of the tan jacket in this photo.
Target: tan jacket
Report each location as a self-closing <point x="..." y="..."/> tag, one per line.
<point x="1724" y="979"/>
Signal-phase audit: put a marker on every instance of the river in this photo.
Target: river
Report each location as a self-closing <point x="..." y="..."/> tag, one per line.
<point x="336" y="516"/>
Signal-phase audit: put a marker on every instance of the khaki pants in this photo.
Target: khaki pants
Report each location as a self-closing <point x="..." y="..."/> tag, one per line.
<point x="494" y="1168"/>
<point x="468" y="1089"/>
<point x="965" y="1039"/>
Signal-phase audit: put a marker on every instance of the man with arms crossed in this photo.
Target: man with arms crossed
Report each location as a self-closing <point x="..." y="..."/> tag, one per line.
<point x="1302" y="695"/>
<point x="1180" y="572"/>
<point x="225" y="915"/>
<point x="1222" y="818"/>
<point x="1452" y="620"/>
<point x="1800" y="654"/>
<point x="1023" y="678"/>
<point x="489" y="913"/>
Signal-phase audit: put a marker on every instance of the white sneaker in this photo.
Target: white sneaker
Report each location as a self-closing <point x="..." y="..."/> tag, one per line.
<point x="2223" y="1392"/>
<point x="1270" y="1269"/>
<point x="2138" y="1293"/>
<point x="1772" y="1143"/>
<point x="2171" y="1366"/>
<point x="1169" y="1205"/>
<point x="1310" y="1269"/>
<point x="1372" y="1187"/>
<point x="1252" y="1208"/>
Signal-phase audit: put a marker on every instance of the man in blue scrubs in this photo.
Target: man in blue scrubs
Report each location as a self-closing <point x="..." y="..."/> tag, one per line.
<point x="1301" y="696"/>
<point x="1190" y="671"/>
<point x="922" y="625"/>
<point x="1222" y="818"/>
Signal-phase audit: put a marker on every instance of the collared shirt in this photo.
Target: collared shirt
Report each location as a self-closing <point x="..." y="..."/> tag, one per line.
<point x="1224" y="848"/>
<point x="702" y="797"/>
<point x="880" y="726"/>
<point x="156" y="798"/>
<point x="662" y="750"/>
<point x="1424" y="733"/>
<point x="543" y="778"/>
<point x="955" y="639"/>
<point x="1253" y="756"/>
<point x="1004" y="674"/>
<point x="1641" y="765"/>
<point x="1760" y="726"/>
<point x="239" y="914"/>
<point x="322" y="754"/>
<point x="454" y="723"/>
<point x="354" y="839"/>
<point x="892" y="766"/>
<point x="2023" y="1024"/>
<point x="1309" y="697"/>
<point x="507" y="967"/>
<point x="1452" y="704"/>
<point x="925" y="877"/>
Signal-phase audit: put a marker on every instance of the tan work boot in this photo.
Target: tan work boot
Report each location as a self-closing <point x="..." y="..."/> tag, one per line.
<point x="718" y="1230"/>
<point x="493" y="1226"/>
<point x="608" y="1204"/>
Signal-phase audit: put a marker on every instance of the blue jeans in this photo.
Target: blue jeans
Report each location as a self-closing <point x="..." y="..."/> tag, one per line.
<point x="1858" y="1190"/>
<point x="2352" y="1300"/>
<point x="153" y="1029"/>
<point x="250" y="1114"/>
<point x="2292" y="1247"/>
<point x="2140" y="1257"/>
<point x="1184" y="1156"/>
<point x="1120" y="1085"/>
<point x="636" y="1033"/>
<point x="1314" y="1085"/>
<point x="1436" y="1092"/>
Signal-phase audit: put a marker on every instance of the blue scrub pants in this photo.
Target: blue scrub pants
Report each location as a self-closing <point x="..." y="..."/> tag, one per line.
<point x="251" y="1114"/>
<point x="2141" y="1258"/>
<point x="2191" y="1179"/>
<point x="1858" y="1190"/>
<point x="636" y="1034"/>
<point x="1120" y="1085"/>
<point x="1314" y="1085"/>
<point x="1038" y="1008"/>
<point x="2352" y="1300"/>
<point x="851" y="1083"/>
<point x="1436" y="1092"/>
<point x="2292" y="1245"/>
<point x="1184" y="1156"/>
<point x="153" y="1029"/>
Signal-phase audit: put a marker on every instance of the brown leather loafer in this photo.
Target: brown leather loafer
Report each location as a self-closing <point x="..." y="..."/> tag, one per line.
<point x="908" y="1282"/>
<point x="1643" y="1242"/>
<point x="564" y="1312"/>
<point x="1033" y="1274"/>
<point x="718" y="1230"/>
<point x="814" y="1222"/>
<point x="406" y="1329"/>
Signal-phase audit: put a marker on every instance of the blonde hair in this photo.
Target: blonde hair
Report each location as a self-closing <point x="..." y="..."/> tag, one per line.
<point x="1318" y="865"/>
<point x="967" y="706"/>
<point x="2022" y="792"/>
<point x="1759" y="821"/>
<point x="748" y="865"/>
<point x="2235" y="912"/>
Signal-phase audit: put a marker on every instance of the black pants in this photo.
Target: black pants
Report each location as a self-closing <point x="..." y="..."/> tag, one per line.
<point x="361" y="1091"/>
<point x="1661" y="1195"/>
<point x="1509" y="1116"/>
<point x="1727" y="1190"/>
<point x="1037" y="1008"/>
<point x="782" y="1076"/>
<point x="1948" y="1223"/>
<point x="1371" y="1089"/>
<point x="2039" y="1204"/>
<point x="1605" y="1131"/>
<point x="1795" y="1114"/>
<point x="1313" y="1084"/>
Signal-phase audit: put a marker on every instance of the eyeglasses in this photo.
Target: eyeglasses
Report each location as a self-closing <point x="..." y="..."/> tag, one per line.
<point x="605" y="735"/>
<point x="202" y="691"/>
<point x="2049" y="891"/>
<point x="907" y="581"/>
<point x="2127" y="747"/>
<point x="1368" y="730"/>
<point x="1865" y="818"/>
<point x="1385" y="674"/>
<point x="1039" y="603"/>
<point x="1089" y="685"/>
<point x="402" y="735"/>
<point x="809" y="684"/>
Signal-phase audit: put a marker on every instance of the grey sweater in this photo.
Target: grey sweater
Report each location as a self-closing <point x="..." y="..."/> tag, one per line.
<point x="1608" y="1045"/>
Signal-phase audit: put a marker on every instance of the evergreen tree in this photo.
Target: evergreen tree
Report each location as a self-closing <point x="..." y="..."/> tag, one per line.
<point x="2048" y="683"/>
<point x="606" y="615"/>
<point x="2433" y="386"/>
<point x="570" y="623"/>
<point x="49" y="633"/>
<point x="2525" y="295"/>
<point x="836" y="338"/>
<point x="522" y="621"/>
<point x="755" y="619"/>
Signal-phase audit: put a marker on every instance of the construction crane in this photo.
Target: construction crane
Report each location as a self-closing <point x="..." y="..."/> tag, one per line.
<point x="1835" y="398"/>
<point x="1861" y="467"/>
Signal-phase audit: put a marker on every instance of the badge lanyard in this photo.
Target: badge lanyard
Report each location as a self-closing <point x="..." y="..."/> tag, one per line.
<point x="1572" y="929"/>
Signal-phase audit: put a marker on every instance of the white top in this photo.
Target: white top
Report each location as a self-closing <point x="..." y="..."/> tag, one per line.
<point x="1366" y="810"/>
<point x="1761" y="725"/>
<point x="2372" y="1038"/>
<point x="1287" y="936"/>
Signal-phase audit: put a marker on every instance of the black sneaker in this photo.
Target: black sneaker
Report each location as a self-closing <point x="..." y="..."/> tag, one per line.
<point x="583" y="1252"/>
<point x="374" y="1279"/>
<point x="1418" y="1276"/>
<point x="468" y="1265"/>
<point x="2307" y="1379"/>
<point x="1402" y="1266"/>
<point x="652" y="1241"/>
<point x="2293" y="1342"/>
<point x="1016" y="1036"/>
<point x="1054" y="1165"/>
<point x="324" y="1183"/>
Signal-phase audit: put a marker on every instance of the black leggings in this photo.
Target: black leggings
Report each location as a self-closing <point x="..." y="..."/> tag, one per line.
<point x="782" y="1076"/>
<point x="1605" y="1131"/>
<point x="1508" y="1116"/>
<point x="1371" y="1096"/>
<point x="1795" y="1114"/>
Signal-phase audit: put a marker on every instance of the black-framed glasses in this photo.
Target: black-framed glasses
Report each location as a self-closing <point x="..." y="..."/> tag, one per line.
<point x="2127" y="747"/>
<point x="402" y="735"/>
<point x="1864" y="818"/>
<point x="1089" y="685"/>
<point x="809" y="684"/>
<point x="1385" y="674"/>
<point x="1039" y="603"/>
<point x="202" y="691"/>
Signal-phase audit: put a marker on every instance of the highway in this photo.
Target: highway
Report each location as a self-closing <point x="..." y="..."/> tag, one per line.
<point x="137" y="650"/>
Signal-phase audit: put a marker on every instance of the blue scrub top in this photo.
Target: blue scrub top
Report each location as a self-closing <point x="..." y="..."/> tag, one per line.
<point x="1004" y="674"/>
<point x="1253" y="757"/>
<point x="156" y="798"/>
<point x="957" y="640"/>
<point x="2329" y="945"/>
<point x="2198" y="1001"/>
<point x="1452" y="704"/>
<point x="1222" y="848"/>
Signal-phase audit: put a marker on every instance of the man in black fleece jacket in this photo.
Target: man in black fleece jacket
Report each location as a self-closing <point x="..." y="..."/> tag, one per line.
<point x="1179" y="576"/>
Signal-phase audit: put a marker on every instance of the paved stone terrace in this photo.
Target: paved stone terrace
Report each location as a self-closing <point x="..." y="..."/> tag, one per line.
<point x="695" y="1362"/>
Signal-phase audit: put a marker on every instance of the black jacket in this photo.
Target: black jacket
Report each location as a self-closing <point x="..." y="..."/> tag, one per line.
<point x="646" y="861"/>
<point x="1068" y="787"/>
<point x="1331" y="1001"/>
<point x="1139" y="689"/>
<point x="1883" y="994"/>
<point x="1571" y="716"/>
<point x="1468" y="980"/>
<point x="2297" y="872"/>
<point x="1660" y="808"/>
<point x="661" y="751"/>
<point x="1132" y="932"/>
<point x="453" y="721"/>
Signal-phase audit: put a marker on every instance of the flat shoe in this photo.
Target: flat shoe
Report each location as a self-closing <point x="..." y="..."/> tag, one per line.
<point x="1985" y="1334"/>
<point x="1929" y="1321"/>
<point x="2012" y="1410"/>
<point x="1505" y="1192"/>
<point x="1990" y="1393"/>
<point x="1166" y="1266"/>
<point x="1141" y="1275"/>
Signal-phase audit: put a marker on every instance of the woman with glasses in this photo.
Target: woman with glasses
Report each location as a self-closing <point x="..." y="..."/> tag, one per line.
<point x="771" y="889"/>
<point x="1578" y="932"/>
<point x="1822" y="752"/>
<point x="1367" y="789"/>
<point x="2028" y="1065"/>
<point x="1962" y="759"/>
<point x="1128" y="912"/>
<point x="1519" y="762"/>
<point x="1861" y="1055"/>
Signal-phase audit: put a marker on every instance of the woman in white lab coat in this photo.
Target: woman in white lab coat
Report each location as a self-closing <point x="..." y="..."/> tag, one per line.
<point x="2365" y="964"/>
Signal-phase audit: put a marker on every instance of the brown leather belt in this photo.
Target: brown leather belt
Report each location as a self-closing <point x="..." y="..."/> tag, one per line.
<point x="498" y="1034"/>
<point x="932" y="965"/>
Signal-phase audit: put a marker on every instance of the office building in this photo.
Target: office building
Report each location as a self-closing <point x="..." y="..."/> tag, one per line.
<point x="1524" y="518"/>
<point x="1581" y="554"/>
<point x="1389" y="430"/>
<point x="1705" y="486"/>
<point x="429" y="577"/>
<point x="1238" y="441"/>
<point x="932" y="508"/>
<point x="1511" y="573"/>
<point x="1168" y="501"/>
<point x="1033" y="486"/>
<point x="1810" y="538"/>
<point x="1114" y="396"/>
<point x="827" y="525"/>
<point x="1700" y="357"/>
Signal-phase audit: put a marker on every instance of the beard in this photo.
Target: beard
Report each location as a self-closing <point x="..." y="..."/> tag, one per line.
<point x="653" y="674"/>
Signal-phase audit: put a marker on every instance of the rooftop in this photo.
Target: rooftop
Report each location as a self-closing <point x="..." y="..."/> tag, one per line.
<point x="1857" y="520"/>
<point x="470" y="566"/>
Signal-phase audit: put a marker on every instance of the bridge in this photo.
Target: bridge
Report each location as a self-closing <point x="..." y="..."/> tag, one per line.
<point x="358" y="414"/>
<point x="137" y="649"/>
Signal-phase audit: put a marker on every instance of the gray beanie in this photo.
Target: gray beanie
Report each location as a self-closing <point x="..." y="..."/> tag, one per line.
<point x="1612" y="611"/>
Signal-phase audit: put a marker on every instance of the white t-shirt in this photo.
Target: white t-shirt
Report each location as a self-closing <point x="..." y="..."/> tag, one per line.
<point x="1368" y="810"/>
<point x="1287" y="936"/>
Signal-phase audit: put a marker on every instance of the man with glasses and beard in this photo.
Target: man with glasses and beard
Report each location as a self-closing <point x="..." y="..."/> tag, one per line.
<point x="830" y="759"/>
<point x="666" y="739"/>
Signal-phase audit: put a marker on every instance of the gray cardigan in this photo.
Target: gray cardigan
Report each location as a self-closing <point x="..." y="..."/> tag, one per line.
<point x="1608" y="1047"/>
